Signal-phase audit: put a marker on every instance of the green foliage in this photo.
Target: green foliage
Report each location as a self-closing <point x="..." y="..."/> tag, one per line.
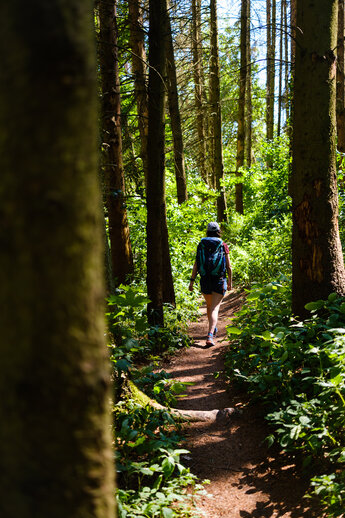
<point x="260" y="241"/>
<point x="134" y="337"/>
<point x="297" y="369"/>
<point x="151" y="475"/>
<point x="159" y="385"/>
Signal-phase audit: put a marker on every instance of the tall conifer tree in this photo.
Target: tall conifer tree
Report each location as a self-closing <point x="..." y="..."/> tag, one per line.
<point x="216" y="115"/>
<point x="114" y="181"/>
<point x="317" y="259"/>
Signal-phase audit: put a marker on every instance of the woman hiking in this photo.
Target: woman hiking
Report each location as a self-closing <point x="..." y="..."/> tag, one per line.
<point x="212" y="262"/>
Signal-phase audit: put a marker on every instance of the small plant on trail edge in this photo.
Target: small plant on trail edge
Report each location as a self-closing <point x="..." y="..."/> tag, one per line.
<point x="297" y="370"/>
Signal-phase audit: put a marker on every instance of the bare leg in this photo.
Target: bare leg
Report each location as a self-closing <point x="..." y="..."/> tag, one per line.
<point x="213" y="303"/>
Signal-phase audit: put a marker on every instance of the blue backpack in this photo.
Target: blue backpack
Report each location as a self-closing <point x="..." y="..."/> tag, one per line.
<point x="210" y="257"/>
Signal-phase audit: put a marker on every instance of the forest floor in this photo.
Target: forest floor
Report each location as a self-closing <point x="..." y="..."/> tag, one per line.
<point x="246" y="478"/>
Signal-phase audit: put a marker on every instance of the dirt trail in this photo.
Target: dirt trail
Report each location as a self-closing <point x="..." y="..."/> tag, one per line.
<point x="247" y="480"/>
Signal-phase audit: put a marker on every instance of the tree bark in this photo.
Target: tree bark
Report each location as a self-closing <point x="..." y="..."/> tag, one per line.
<point x="287" y="101"/>
<point x="317" y="258"/>
<point x="271" y="35"/>
<point x="216" y="116"/>
<point x="159" y="281"/>
<point x="199" y="88"/>
<point x="121" y="251"/>
<point x="241" y="107"/>
<point x="175" y="119"/>
<point x="137" y="43"/>
<point x="281" y="64"/>
<point x="340" y="103"/>
<point x="248" y="95"/>
<point x="55" y="438"/>
<point x="294" y="31"/>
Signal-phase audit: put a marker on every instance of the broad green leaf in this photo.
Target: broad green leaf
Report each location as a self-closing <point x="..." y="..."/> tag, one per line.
<point x="332" y="297"/>
<point x="253" y="296"/>
<point x="313" y="306"/>
<point x="266" y="335"/>
<point x="305" y="420"/>
<point x="284" y="357"/>
<point x="233" y="330"/>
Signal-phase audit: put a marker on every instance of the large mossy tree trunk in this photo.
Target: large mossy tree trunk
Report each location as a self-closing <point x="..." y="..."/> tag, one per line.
<point x="318" y="267"/>
<point x="159" y="277"/>
<point x="216" y="115"/>
<point x="175" y="118"/>
<point x="55" y="437"/>
<point x="114" y="181"/>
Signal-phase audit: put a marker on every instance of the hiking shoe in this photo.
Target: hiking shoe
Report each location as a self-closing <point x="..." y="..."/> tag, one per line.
<point x="215" y="332"/>
<point x="209" y="340"/>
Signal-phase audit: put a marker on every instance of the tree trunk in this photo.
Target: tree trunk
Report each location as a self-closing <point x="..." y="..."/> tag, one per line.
<point x="294" y="31"/>
<point x="286" y="54"/>
<point x="281" y="64"/>
<point x="175" y="119"/>
<point x="248" y="95"/>
<point x="137" y="43"/>
<point x="318" y="267"/>
<point x="121" y="252"/>
<point x="157" y="239"/>
<point x="271" y="35"/>
<point x="340" y="103"/>
<point x="199" y="88"/>
<point x="216" y="116"/>
<point x="241" y="106"/>
<point x="133" y="171"/>
<point x="55" y="437"/>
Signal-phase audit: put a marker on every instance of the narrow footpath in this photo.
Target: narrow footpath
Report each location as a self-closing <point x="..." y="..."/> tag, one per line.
<point x="246" y="479"/>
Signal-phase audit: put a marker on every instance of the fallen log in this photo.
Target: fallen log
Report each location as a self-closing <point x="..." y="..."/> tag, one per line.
<point x="219" y="415"/>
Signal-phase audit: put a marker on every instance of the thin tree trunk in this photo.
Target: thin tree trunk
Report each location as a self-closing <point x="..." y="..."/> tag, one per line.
<point x="121" y="252"/>
<point x="137" y="43"/>
<point x="280" y="86"/>
<point x="175" y="119"/>
<point x="199" y="87"/>
<point x="294" y="33"/>
<point x="55" y="438"/>
<point x="216" y="115"/>
<point x="241" y="107"/>
<point x="317" y="259"/>
<point x="248" y="95"/>
<point x="340" y="104"/>
<point x="133" y="171"/>
<point x="271" y="37"/>
<point x="286" y="54"/>
<point x="157" y="240"/>
<point x="269" y="118"/>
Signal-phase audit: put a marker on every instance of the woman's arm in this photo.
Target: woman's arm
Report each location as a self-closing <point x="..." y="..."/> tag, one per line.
<point x="194" y="274"/>
<point x="229" y="270"/>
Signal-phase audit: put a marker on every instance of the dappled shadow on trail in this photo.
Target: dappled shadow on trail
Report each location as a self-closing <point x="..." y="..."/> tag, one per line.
<point x="248" y="480"/>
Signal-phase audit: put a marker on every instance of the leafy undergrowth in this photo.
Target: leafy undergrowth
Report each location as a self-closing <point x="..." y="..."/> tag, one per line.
<point x="151" y="477"/>
<point x="297" y="369"/>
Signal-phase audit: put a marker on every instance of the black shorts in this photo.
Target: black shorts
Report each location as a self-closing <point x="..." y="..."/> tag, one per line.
<point x="211" y="284"/>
